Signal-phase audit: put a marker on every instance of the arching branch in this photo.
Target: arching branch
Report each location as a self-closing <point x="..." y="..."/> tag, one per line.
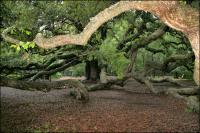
<point x="7" y="38"/>
<point x="184" y="19"/>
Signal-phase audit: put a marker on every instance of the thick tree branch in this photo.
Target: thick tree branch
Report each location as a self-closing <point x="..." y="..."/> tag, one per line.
<point x="175" y="58"/>
<point x="80" y="90"/>
<point x="37" y="66"/>
<point x="7" y="38"/>
<point x="146" y="40"/>
<point x="153" y="50"/>
<point x="162" y="9"/>
<point x="142" y="43"/>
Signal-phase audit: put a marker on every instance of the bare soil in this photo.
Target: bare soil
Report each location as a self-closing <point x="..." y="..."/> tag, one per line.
<point x="134" y="110"/>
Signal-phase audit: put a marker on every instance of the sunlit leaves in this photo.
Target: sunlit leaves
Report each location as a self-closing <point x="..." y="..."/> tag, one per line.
<point x="170" y="38"/>
<point x="26" y="46"/>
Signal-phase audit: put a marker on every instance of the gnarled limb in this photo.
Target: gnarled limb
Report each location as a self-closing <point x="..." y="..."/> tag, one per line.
<point x="143" y="42"/>
<point x="164" y="79"/>
<point x="7" y="38"/>
<point x="179" y="17"/>
<point x="51" y="71"/>
<point x="109" y="84"/>
<point x="174" y="58"/>
<point x="80" y="90"/>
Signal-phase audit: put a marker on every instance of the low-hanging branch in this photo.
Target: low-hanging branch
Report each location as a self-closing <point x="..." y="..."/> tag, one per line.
<point x="176" y="57"/>
<point x="153" y="50"/>
<point x="69" y="60"/>
<point x="51" y="69"/>
<point x="143" y="42"/>
<point x="151" y="65"/>
<point x="36" y="66"/>
<point x="30" y="66"/>
<point x="56" y="69"/>
<point x="80" y="89"/>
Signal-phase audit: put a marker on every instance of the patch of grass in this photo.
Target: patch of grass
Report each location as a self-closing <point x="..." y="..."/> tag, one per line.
<point x="43" y="129"/>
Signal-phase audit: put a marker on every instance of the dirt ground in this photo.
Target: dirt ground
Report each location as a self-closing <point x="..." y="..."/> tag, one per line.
<point x="132" y="110"/>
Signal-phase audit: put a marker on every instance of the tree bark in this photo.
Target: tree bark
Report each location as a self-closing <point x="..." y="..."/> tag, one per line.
<point x="103" y="76"/>
<point x="133" y="58"/>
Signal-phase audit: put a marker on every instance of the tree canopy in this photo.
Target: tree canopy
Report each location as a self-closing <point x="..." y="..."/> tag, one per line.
<point x="112" y="36"/>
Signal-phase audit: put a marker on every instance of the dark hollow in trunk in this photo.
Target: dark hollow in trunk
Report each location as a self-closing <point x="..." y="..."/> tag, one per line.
<point x="92" y="70"/>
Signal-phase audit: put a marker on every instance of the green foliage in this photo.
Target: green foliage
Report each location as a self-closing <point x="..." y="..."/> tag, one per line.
<point x="57" y="75"/>
<point x="108" y="53"/>
<point x="78" y="70"/>
<point x="170" y="38"/>
<point x="182" y="72"/>
<point x="26" y="46"/>
<point x="43" y="129"/>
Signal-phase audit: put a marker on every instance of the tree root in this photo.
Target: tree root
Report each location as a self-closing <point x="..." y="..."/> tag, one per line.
<point x="142" y="79"/>
<point x="188" y="94"/>
<point x="193" y="103"/>
<point x="192" y="100"/>
<point x="109" y="84"/>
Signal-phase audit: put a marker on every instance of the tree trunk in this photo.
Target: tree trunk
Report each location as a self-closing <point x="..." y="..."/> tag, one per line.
<point x="92" y="71"/>
<point x="133" y="58"/>
<point x="103" y="77"/>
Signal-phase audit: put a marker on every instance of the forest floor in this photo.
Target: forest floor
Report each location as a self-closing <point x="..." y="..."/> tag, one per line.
<point x="134" y="110"/>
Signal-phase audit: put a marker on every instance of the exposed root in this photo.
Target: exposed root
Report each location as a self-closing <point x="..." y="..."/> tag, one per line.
<point x="193" y="103"/>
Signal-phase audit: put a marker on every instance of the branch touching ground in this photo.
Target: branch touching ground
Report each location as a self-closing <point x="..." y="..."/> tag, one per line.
<point x="142" y="79"/>
<point x="80" y="90"/>
<point x="165" y="79"/>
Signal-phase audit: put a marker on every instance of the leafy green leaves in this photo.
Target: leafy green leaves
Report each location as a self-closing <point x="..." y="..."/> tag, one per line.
<point x="26" y="46"/>
<point x="108" y="53"/>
